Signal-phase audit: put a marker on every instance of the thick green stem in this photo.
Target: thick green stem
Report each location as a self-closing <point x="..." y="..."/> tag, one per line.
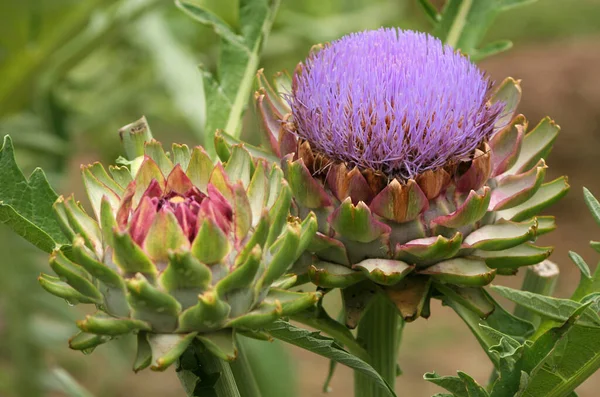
<point x="379" y="333"/>
<point x="242" y="372"/>
<point x="540" y="279"/>
<point x="202" y="373"/>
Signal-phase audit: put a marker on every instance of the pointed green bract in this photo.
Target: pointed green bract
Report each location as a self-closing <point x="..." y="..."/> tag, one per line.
<point x="199" y="168"/>
<point x="221" y="344"/>
<point x="429" y="248"/>
<point x="502" y="235"/>
<point x="304" y="187"/>
<point x="522" y="255"/>
<point x="463" y="272"/>
<point x="165" y="235"/>
<point x="81" y="223"/>
<point x="105" y="325"/>
<point x="242" y="276"/>
<point x="384" y="271"/>
<point x="472" y="210"/>
<point x="210" y="312"/>
<point x="285" y="254"/>
<point x="166" y="348"/>
<point x="357" y="223"/>
<point x="547" y="195"/>
<point x="332" y="275"/>
<point x="217" y="249"/>
<point x="154" y="150"/>
<point x="121" y="175"/>
<point x="185" y="277"/>
<point x="152" y="305"/>
<point x="85" y="342"/>
<point x="240" y="166"/>
<point x="536" y="145"/>
<point x="75" y="276"/>
<point x="63" y="290"/>
<point x="143" y="356"/>
<point x="130" y="257"/>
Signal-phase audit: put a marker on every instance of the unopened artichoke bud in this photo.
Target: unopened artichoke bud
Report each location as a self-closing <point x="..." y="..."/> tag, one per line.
<point x="422" y="176"/>
<point x="181" y="249"/>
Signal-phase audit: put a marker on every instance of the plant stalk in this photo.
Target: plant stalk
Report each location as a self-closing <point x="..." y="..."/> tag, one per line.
<point x="379" y="332"/>
<point x="539" y="279"/>
<point x="202" y="373"/>
<point x="242" y="372"/>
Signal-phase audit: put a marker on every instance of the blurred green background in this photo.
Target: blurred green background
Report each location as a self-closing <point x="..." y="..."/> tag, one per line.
<point x="73" y="71"/>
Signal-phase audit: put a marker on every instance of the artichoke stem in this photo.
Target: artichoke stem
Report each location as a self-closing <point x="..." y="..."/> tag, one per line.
<point x="540" y="279"/>
<point x="379" y="333"/>
<point x="202" y="373"/>
<point x="242" y="372"/>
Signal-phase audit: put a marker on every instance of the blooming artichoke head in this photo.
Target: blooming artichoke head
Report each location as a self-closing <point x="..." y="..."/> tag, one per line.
<point x="419" y="171"/>
<point x="179" y="249"/>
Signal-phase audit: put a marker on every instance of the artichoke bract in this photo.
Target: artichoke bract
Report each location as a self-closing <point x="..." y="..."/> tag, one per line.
<point x="179" y="249"/>
<point x="422" y="177"/>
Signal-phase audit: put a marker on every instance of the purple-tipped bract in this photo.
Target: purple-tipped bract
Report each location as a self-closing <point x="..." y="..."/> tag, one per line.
<point x="396" y="101"/>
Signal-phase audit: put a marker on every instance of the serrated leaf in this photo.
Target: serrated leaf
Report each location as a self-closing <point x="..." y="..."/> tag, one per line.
<point x="26" y="205"/>
<point x="451" y="383"/>
<point x="548" y="307"/>
<point x="326" y="347"/>
<point x="500" y="320"/>
<point x="563" y="358"/>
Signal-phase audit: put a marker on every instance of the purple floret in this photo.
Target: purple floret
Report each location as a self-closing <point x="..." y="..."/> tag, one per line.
<point x="392" y="100"/>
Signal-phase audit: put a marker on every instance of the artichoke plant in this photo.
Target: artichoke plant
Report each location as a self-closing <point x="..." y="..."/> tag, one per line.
<point x="423" y="178"/>
<point x="179" y="249"/>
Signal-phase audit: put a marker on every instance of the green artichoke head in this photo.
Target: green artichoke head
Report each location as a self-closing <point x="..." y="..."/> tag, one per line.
<point x="179" y="248"/>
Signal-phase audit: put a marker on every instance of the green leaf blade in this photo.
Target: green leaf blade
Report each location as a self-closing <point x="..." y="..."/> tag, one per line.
<point x="26" y="205"/>
<point x="326" y="347"/>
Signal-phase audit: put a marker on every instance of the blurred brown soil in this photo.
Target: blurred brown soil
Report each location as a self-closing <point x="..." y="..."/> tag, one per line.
<point x="561" y="80"/>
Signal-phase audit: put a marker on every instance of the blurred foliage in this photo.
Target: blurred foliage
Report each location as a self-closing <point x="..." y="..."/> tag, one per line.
<point x="74" y="71"/>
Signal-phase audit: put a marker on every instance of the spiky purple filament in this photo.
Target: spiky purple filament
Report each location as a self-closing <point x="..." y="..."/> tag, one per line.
<point x="392" y="100"/>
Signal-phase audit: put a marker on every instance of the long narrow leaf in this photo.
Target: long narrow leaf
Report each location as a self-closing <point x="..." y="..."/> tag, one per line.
<point x="326" y="347"/>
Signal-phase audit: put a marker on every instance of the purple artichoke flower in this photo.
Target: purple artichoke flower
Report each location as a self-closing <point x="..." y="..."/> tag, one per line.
<point x="395" y="101"/>
<point x="423" y="178"/>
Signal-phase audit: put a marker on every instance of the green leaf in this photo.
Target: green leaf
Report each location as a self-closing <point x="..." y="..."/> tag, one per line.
<point x="26" y="205"/>
<point x="451" y="383"/>
<point x="227" y="91"/>
<point x="430" y="11"/>
<point x="61" y="381"/>
<point x="568" y="355"/>
<point x="326" y="347"/>
<point x="317" y="317"/>
<point x="552" y="308"/>
<point x="464" y="23"/>
<point x="473" y="389"/>
<point x="500" y="320"/>
<point x="592" y="204"/>
<point x="176" y="67"/>
<point x="580" y="262"/>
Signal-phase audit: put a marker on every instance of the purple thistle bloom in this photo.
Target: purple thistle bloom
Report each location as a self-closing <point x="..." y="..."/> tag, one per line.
<point x="395" y="101"/>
